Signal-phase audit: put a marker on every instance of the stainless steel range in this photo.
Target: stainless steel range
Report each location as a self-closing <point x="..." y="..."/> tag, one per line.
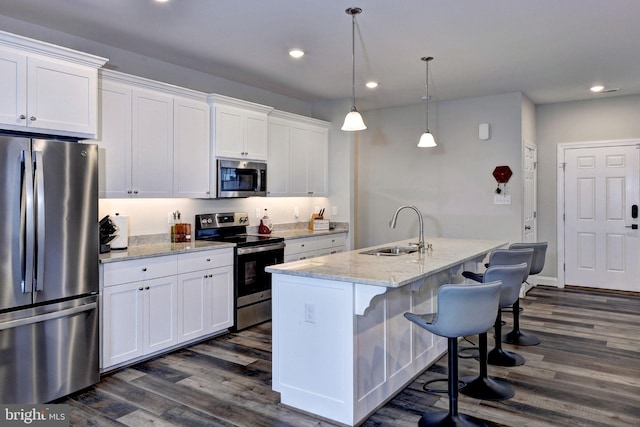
<point x="253" y="253"/>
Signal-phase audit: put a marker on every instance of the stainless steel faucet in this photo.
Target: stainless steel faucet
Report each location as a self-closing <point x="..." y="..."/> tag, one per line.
<point x="394" y="220"/>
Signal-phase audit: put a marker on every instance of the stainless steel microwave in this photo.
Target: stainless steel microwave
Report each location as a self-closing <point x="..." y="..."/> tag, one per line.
<point x="239" y="178"/>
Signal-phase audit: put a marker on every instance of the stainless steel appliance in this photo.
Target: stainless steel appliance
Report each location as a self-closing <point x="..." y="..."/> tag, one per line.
<point x="49" y="240"/>
<point x="253" y="254"/>
<point x="238" y="178"/>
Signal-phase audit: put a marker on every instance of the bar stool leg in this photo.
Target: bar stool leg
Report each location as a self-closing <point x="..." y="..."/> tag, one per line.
<point x="498" y="356"/>
<point x="516" y="336"/>
<point x="483" y="387"/>
<point x="451" y="418"/>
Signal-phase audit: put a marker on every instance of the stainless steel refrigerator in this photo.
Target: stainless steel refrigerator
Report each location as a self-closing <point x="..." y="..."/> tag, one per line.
<point x="49" y="242"/>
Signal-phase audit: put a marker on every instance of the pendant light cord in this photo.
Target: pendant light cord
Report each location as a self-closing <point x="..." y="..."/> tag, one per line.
<point x="353" y="62"/>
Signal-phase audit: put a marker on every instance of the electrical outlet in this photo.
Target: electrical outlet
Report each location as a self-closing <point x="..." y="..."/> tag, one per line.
<point x="258" y="213"/>
<point x="170" y="218"/>
<point x="310" y="313"/>
<point x="316" y="209"/>
<point x="334" y="210"/>
<point x="296" y="212"/>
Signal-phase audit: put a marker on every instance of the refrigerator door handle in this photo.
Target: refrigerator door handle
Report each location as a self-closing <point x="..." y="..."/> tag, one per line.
<point x="40" y="216"/>
<point x="48" y="316"/>
<point x="27" y="219"/>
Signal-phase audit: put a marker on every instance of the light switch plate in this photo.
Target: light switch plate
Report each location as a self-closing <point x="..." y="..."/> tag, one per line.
<point x="499" y="199"/>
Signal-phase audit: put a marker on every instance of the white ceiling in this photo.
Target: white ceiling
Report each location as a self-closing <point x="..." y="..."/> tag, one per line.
<point x="551" y="50"/>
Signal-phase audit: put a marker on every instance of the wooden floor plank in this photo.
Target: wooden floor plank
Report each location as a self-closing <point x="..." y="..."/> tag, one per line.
<point x="585" y="372"/>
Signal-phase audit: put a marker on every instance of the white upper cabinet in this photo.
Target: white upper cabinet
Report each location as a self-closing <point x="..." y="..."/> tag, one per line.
<point x="47" y="89"/>
<point x="153" y="139"/>
<point x="298" y="156"/>
<point x="239" y="128"/>
<point x="191" y="148"/>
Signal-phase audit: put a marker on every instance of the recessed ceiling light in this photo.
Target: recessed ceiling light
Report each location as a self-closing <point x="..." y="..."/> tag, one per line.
<point x="162" y="1"/>
<point x="597" y="88"/>
<point x="372" y="85"/>
<point x="296" y="53"/>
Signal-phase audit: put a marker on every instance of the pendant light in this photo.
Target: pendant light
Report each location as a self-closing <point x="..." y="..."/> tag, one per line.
<point x="427" y="140"/>
<point x="353" y="121"/>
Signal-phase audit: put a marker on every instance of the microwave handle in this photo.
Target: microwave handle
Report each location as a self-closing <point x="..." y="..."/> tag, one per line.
<point x="259" y="181"/>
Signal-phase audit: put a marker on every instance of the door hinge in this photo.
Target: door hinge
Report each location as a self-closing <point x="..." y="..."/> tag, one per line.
<point x="535" y="165"/>
<point x="564" y="267"/>
<point x="563" y="220"/>
<point x="535" y="214"/>
<point x="563" y="165"/>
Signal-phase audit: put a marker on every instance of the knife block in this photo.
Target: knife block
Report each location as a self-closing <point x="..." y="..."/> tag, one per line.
<point x="313" y="218"/>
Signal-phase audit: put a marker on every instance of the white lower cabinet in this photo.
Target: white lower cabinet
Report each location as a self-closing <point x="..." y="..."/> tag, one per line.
<point x="310" y="247"/>
<point x="154" y="304"/>
<point x="205" y="297"/>
<point x="139" y="318"/>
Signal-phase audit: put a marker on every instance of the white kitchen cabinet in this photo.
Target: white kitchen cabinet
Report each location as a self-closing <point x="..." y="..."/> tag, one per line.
<point x="239" y="128"/>
<point x="205" y="293"/>
<point x="47" y="89"/>
<point x="310" y="247"/>
<point x="191" y="144"/>
<point x="152" y="148"/>
<point x="153" y="139"/>
<point x="139" y="308"/>
<point x="298" y="156"/>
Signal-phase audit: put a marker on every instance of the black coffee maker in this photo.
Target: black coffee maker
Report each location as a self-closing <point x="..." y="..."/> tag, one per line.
<point x="108" y="232"/>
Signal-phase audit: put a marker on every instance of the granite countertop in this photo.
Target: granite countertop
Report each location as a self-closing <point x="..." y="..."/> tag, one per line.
<point x="159" y="244"/>
<point x="389" y="271"/>
<point x="160" y="249"/>
<point x="299" y="233"/>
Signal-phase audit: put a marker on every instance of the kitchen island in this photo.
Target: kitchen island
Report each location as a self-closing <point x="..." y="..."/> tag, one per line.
<point x="341" y="345"/>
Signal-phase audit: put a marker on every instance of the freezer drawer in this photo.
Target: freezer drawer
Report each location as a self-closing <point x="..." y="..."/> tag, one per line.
<point x="49" y="351"/>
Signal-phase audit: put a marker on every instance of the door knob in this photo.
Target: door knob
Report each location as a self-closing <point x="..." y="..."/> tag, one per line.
<point x="632" y="226"/>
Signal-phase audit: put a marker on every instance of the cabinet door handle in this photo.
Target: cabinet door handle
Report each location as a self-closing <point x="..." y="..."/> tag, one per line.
<point x="129" y="192"/>
<point x="140" y="288"/>
<point x="146" y="287"/>
<point x="208" y="259"/>
<point x="32" y="118"/>
<point x="135" y="191"/>
<point x="22" y="117"/>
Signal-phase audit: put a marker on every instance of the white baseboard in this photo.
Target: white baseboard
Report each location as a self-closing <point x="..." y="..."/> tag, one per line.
<point x="538" y="280"/>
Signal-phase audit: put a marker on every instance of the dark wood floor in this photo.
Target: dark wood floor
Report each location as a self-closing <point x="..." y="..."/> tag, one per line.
<point x="586" y="372"/>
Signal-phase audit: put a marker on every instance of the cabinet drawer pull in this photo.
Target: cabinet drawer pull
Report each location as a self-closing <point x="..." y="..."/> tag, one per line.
<point x="32" y="118"/>
<point x="144" y="268"/>
<point x="208" y="259"/>
<point x="22" y="117"/>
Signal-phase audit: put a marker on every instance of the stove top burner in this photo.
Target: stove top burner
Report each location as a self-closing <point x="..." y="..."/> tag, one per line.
<point x="230" y="228"/>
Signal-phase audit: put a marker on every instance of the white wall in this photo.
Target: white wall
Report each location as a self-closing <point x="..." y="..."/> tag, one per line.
<point x="599" y="119"/>
<point x="451" y="184"/>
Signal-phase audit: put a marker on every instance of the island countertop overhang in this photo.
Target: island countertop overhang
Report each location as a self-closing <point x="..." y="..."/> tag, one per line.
<point x="390" y="271"/>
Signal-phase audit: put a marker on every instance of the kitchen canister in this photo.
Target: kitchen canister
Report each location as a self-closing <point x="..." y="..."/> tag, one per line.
<point x="122" y="239"/>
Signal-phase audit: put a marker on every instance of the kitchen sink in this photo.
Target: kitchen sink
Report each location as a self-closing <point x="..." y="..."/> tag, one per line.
<point x="391" y="251"/>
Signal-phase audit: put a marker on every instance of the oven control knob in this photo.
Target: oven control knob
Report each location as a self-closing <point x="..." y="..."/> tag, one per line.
<point x="209" y="220"/>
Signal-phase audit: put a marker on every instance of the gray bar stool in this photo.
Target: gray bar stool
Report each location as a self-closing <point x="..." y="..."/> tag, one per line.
<point x="483" y="386"/>
<point x="462" y="310"/>
<point x="516" y="336"/>
<point x="498" y="356"/>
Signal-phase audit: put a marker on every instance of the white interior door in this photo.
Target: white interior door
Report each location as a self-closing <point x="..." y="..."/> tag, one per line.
<point x="601" y="186"/>
<point x="530" y="232"/>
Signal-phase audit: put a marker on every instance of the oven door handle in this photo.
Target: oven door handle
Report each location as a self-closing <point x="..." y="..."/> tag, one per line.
<point x="258" y="249"/>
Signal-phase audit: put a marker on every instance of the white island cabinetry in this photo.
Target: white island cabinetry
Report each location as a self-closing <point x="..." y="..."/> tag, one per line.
<point x="341" y="345"/>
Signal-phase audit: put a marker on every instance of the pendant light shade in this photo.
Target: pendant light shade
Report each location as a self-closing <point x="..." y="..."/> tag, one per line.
<point x="353" y="121"/>
<point x="427" y="139"/>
